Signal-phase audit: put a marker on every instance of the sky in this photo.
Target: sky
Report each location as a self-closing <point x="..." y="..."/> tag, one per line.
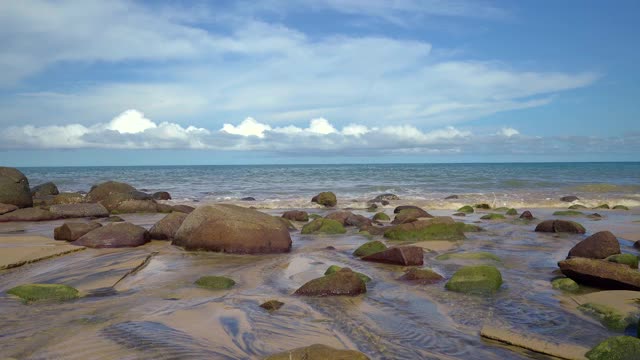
<point x="125" y="82"/>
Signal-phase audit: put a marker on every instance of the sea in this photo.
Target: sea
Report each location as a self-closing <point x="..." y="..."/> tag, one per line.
<point x="292" y="186"/>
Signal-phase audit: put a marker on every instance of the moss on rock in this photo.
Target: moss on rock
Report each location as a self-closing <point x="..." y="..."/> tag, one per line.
<point x="326" y="198"/>
<point x="481" y="255"/>
<point x="369" y="248"/>
<point x="608" y="316"/>
<point x="493" y="217"/>
<point x="482" y="206"/>
<point x="620" y="207"/>
<point x="576" y="207"/>
<point x="381" y="217"/>
<point x="323" y="226"/>
<point x="272" y="305"/>
<point x="565" y="284"/>
<point x="475" y="279"/>
<point x="602" y="206"/>
<point x="335" y="268"/>
<point x="616" y="348"/>
<point x="215" y="282"/>
<point x="466" y="209"/>
<point x="568" y="213"/>
<point x="39" y="292"/>
<point x="512" y="212"/>
<point x="627" y="259"/>
<point x="471" y="228"/>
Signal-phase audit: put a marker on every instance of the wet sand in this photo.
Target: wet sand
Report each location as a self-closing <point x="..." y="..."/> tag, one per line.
<point x="141" y="303"/>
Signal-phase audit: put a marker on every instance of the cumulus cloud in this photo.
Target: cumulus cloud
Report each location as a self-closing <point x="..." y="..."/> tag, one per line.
<point x="508" y="132"/>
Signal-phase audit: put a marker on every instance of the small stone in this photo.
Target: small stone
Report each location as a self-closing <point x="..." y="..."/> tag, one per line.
<point x="272" y="305"/>
<point x="215" y="282"/>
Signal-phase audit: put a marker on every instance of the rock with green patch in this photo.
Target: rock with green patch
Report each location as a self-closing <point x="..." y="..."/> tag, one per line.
<point x="568" y="213"/>
<point x="501" y="209"/>
<point x="410" y="215"/>
<point x="335" y="268"/>
<point x="475" y="279"/>
<point x="608" y="316"/>
<point x="323" y="226"/>
<point x="327" y="199"/>
<point x="480" y="255"/>
<point x="318" y="352"/>
<point x="381" y="217"/>
<point x="493" y="217"/>
<point x="602" y="206"/>
<point x="577" y="207"/>
<point x="616" y="348"/>
<point x="601" y="273"/>
<point x="466" y="209"/>
<point x="620" y="207"/>
<point x="369" y="248"/>
<point x="439" y="228"/>
<point x="471" y="227"/>
<point x="483" y="206"/>
<point x="421" y="276"/>
<point x="627" y="259"/>
<point x="272" y="305"/>
<point x="512" y="212"/>
<point x="215" y="282"/>
<point x="315" y="216"/>
<point x="39" y="292"/>
<point x="343" y="282"/>
<point x="565" y="284"/>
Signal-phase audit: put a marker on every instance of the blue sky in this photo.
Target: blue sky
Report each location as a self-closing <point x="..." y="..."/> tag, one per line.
<point x="231" y="82"/>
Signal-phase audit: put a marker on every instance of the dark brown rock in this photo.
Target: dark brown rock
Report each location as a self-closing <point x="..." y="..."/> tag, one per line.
<point x="102" y="191"/>
<point x="526" y="215"/>
<point x="401" y="255"/>
<point x="339" y="216"/>
<point x="74" y="231"/>
<point x="166" y="228"/>
<point x="29" y="214"/>
<point x="556" y="226"/>
<point x="79" y="210"/>
<point x="570" y="198"/>
<point x="374" y="230"/>
<point x="357" y="221"/>
<point x="115" y="235"/>
<point x="405" y="207"/>
<point x="248" y="198"/>
<point x="451" y="197"/>
<point x="601" y="273"/>
<point x="161" y="195"/>
<point x="44" y="189"/>
<point x="296" y="215"/>
<point x="597" y="246"/>
<point x="342" y="282"/>
<point x="14" y="188"/>
<point x="385" y="197"/>
<point x="410" y="215"/>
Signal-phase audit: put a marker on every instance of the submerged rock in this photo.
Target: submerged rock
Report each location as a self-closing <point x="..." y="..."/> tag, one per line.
<point x="576" y="207"/>
<point x="74" y="231"/>
<point x="296" y="215"/>
<point x="161" y="195"/>
<point x="512" y="212"/>
<point x="44" y="189"/>
<point x="29" y="214"/>
<point x="233" y="229"/>
<point x="602" y="206"/>
<point x="406" y="207"/>
<point x="493" y="217"/>
<point x="272" y="305"/>
<point x="475" y="279"/>
<point x="451" y="197"/>
<point x="14" y="188"/>
<point x="215" y="282"/>
<point x="616" y="348"/>
<point x="39" y="292"/>
<point x="569" y="198"/>
<point x="323" y="226"/>
<point x="327" y="199"/>
<point x="369" y="248"/>
<point x="601" y="273"/>
<point x="440" y="228"/>
<point x="410" y="215"/>
<point x="526" y="215"/>
<point x="557" y="226"/>
<point x="466" y="209"/>
<point x="114" y="236"/>
<point x="248" y="198"/>
<point x="79" y="210"/>
<point x="597" y="246"/>
<point x="421" y="276"/>
<point x="343" y="282"/>
<point x="335" y="268"/>
<point x="318" y="352"/>
<point x="166" y="228"/>
<point x="401" y="255"/>
<point x="480" y="255"/>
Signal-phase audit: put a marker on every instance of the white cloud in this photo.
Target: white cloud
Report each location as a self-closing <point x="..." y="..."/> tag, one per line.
<point x="131" y="122"/>
<point x="248" y="127"/>
<point x="508" y="132"/>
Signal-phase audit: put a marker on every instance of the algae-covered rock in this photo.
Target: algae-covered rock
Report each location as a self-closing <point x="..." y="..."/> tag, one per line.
<point x="470" y="227"/>
<point x="38" y="292"/>
<point x="627" y="259"/>
<point x="440" y="228"/>
<point x="576" y="207"/>
<point x="369" y="248"/>
<point x="480" y="255"/>
<point x="215" y="282"/>
<point x="328" y="199"/>
<point x="602" y="206"/>
<point x="421" y="276"/>
<point x="608" y="316"/>
<point x="410" y="215"/>
<point x="381" y="217"/>
<point x="559" y="226"/>
<point x="315" y="216"/>
<point x="601" y="273"/>
<point x="318" y="352"/>
<point x="565" y="284"/>
<point x="335" y="268"/>
<point x="475" y="279"/>
<point x="343" y="282"/>
<point x="482" y="206"/>
<point x="493" y="217"/>
<point x="323" y="226"/>
<point x="512" y="212"/>
<point x="616" y="348"/>
<point x="620" y="207"/>
<point x="272" y="305"/>
<point x="466" y="209"/>
<point x="568" y="213"/>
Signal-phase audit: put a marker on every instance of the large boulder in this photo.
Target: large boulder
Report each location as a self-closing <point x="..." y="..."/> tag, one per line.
<point x="597" y="246"/>
<point x="130" y="202"/>
<point x="326" y="198"/>
<point x="318" y="352"/>
<point x="323" y="226"/>
<point x="161" y="195"/>
<point x="343" y="282"/>
<point x="410" y="215"/>
<point x="102" y="191"/>
<point x="14" y="188"/>
<point x="557" y="226"/>
<point x="475" y="279"/>
<point x="369" y="248"/>
<point x="232" y="229"/>
<point x="79" y="210"/>
<point x="296" y="215"/>
<point x="166" y="228"/>
<point x="7" y="208"/>
<point x="183" y="208"/>
<point x="73" y="231"/>
<point x="601" y="273"/>
<point x="401" y="255"/>
<point x="29" y="214"/>
<point x="114" y="236"/>
<point x="45" y="189"/>
<point x="439" y="228"/>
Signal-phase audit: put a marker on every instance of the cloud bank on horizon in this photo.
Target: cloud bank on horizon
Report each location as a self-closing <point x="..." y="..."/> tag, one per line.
<point x="330" y="76"/>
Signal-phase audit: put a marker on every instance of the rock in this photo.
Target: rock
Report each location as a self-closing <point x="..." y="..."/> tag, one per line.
<point x="421" y="276"/>
<point x="482" y="206"/>
<point x="372" y="208"/>
<point x="385" y="197"/>
<point x="248" y="198"/>
<point x="451" y="197"/>
<point x="318" y="352"/>
<point x="44" y="189"/>
<point x="369" y="248"/>
<point x="164" y="208"/>
<point x="215" y="282"/>
<point x="568" y="213"/>
<point x="401" y="255"/>
<point x="20" y="250"/>
<point x="512" y="212"/>
<point x="475" y="279"/>
<point x="114" y="219"/>
<point x="29" y="214"/>
<point x="161" y="195"/>
<point x="335" y="268"/>
<point x="328" y="199"/>
<point x="115" y="236"/>
<point x="61" y="199"/>
<point x="576" y="207"/>
<point x="620" y="207"/>
<point x="531" y="342"/>
<point x="14" y="188"/>
<point x="79" y="210"/>
<point x="323" y="226"/>
<point x="405" y="207"/>
<point x="102" y="191"/>
<point x="166" y="228"/>
<point x="381" y="217"/>
<point x="466" y="209"/>
<point x="480" y="255"/>
<point x="7" y="208"/>
<point x="374" y="230"/>
<point x="343" y="282"/>
<point x="557" y="226"/>
<point x="296" y="215"/>
<point x="358" y="221"/>
<point x="131" y="202"/>
<point x="461" y="214"/>
<point x="440" y="228"/>
<point x="570" y="198"/>
<point x="608" y="316"/>
<point x="597" y="246"/>
<point x="315" y="216"/>
<point x="410" y="215"/>
<point x="601" y="273"/>
<point x="493" y="217"/>
<point x="183" y="208"/>
<point x="627" y="259"/>
<point x="339" y="216"/>
<point x="232" y="229"/>
<point x="39" y="292"/>
<point x="602" y="206"/>
<point x="616" y="348"/>
<point x="74" y="231"/>
<point x="565" y="284"/>
<point x="470" y="227"/>
<point x="526" y="215"/>
<point x="286" y="222"/>
<point x="272" y="305"/>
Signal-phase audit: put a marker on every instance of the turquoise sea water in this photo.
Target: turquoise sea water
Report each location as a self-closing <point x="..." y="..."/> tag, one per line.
<point x="535" y="183"/>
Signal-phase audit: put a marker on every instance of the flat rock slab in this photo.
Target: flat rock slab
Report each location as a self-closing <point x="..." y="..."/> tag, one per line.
<point x="19" y="250"/>
<point x="623" y="301"/>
